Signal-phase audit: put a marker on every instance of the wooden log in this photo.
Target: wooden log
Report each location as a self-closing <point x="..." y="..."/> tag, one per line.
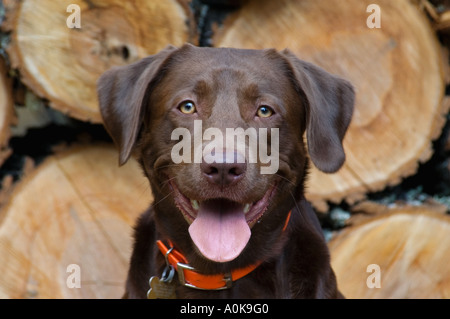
<point x="62" y="64"/>
<point x="441" y="17"/>
<point x="410" y="245"/>
<point x="6" y="112"/>
<point x="77" y="208"/>
<point x="396" y="70"/>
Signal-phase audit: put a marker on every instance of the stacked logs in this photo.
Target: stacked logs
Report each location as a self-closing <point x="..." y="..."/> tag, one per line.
<point x="77" y="207"/>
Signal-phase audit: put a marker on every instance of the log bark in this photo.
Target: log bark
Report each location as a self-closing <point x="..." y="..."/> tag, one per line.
<point x="441" y="17"/>
<point x="410" y="245"/>
<point x="77" y="208"/>
<point x="397" y="71"/>
<point x="62" y="64"/>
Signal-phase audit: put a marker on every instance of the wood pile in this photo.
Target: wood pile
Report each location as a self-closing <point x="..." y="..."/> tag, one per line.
<point x="70" y="205"/>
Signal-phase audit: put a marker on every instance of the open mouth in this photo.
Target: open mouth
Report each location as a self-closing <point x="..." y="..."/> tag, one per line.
<point x="219" y="227"/>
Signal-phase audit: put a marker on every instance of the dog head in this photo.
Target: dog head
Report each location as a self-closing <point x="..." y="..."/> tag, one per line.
<point x="219" y="134"/>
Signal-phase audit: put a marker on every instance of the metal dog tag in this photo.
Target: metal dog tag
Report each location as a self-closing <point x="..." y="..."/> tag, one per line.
<point x="163" y="288"/>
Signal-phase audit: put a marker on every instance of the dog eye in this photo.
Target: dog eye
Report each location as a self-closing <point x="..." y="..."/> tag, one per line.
<point x="187" y="107"/>
<point x="264" y="111"/>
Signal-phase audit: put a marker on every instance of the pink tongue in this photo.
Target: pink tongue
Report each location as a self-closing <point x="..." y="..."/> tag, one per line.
<point x="220" y="230"/>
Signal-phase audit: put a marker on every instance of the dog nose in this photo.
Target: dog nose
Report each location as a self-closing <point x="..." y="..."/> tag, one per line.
<point x="226" y="173"/>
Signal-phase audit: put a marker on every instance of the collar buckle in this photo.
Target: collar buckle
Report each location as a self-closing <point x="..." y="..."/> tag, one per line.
<point x="182" y="267"/>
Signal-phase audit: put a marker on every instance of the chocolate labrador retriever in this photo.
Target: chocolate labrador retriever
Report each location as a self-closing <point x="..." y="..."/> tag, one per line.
<point x="229" y="220"/>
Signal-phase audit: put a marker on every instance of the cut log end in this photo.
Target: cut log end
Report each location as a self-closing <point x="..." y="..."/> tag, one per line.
<point x="401" y="253"/>
<point x="62" y="62"/>
<point x="69" y="223"/>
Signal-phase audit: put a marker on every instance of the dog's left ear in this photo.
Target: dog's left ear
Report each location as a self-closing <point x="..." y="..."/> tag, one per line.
<point x="329" y="108"/>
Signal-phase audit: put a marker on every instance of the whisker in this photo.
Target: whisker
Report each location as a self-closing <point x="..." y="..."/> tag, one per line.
<point x="286" y="179"/>
<point x="144" y="187"/>
<point x="156" y="203"/>
<point x="295" y="202"/>
<point x="168" y="165"/>
<point x="163" y="184"/>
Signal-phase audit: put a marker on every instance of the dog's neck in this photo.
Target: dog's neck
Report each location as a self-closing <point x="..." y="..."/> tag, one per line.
<point x="190" y="277"/>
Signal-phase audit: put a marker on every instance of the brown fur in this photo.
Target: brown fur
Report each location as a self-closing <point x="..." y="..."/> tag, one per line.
<point x="138" y="104"/>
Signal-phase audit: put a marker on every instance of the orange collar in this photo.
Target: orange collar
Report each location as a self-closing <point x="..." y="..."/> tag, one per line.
<point x="189" y="277"/>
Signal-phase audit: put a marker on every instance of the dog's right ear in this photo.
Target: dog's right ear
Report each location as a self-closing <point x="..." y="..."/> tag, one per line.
<point x="122" y="92"/>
